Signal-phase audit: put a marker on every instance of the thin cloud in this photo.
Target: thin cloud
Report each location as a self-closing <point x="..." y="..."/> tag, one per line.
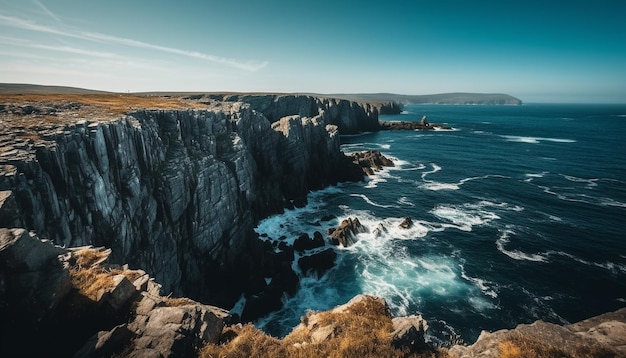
<point x="16" y="22"/>
<point x="48" y="12"/>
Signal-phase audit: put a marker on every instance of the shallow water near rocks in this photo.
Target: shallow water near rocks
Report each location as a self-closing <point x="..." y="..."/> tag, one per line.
<point x="518" y="215"/>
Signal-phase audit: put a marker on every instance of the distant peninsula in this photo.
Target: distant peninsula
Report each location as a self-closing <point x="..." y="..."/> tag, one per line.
<point x="442" y="98"/>
<point x="402" y="99"/>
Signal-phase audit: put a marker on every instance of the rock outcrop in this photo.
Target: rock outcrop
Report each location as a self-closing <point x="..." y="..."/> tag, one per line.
<point x="176" y="192"/>
<point x="600" y="336"/>
<point x="350" y="117"/>
<point x="403" y="125"/>
<point x="319" y="262"/>
<point x="52" y="300"/>
<point x="346" y="233"/>
<point x="363" y="327"/>
<point x="371" y="161"/>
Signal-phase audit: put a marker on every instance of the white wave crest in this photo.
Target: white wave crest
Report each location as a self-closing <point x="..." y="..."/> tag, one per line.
<point x="369" y="201"/>
<point x="609" y="266"/>
<point x="467" y="216"/>
<point x="436" y="186"/>
<point x="483" y="285"/>
<point x="535" y="140"/>
<point x="590" y="182"/>
<point x="405" y="201"/>
<point x="516" y="254"/>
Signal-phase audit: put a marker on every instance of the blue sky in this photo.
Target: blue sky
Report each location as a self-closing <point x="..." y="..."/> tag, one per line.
<point x="539" y="51"/>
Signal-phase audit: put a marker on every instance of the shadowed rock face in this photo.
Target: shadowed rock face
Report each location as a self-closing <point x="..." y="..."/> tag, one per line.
<point x="176" y="192"/>
<point x="349" y="117"/>
<point x="60" y="297"/>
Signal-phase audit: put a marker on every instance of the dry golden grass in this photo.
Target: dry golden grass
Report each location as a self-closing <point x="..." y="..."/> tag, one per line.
<point x="90" y="282"/>
<point x="363" y="331"/>
<point x="520" y="346"/>
<point x="89" y="277"/>
<point x="114" y="103"/>
<point x="70" y="108"/>
<point x="179" y="301"/>
<point x="86" y="258"/>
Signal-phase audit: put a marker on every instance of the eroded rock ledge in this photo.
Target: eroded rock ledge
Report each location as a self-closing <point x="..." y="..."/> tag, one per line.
<point x="349" y="117"/>
<point x="423" y="124"/>
<point x="176" y="192"/>
<point x="62" y="302"/>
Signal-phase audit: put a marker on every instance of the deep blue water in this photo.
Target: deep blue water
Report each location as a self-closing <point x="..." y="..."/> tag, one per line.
<point x="520" y="214"/>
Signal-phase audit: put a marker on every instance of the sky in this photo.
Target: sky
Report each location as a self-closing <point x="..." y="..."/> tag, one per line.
<point x="538" y="51"/>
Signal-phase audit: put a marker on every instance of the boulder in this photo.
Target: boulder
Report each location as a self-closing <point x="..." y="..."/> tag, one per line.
<point x="600" y="336"/>
<point x="318" y="263"/>
<point x="304" y="242"/>
<point x="9" y="211"/>
<point x="120" y="294"/>
<point x="408" y="332"/>
<point x="407" y="223"/>
<point x="380" y="230"/>
<point x="162" y="332"/>
<point x="30" y="268"/>
<point x="371" y="161"/>
<point x="107" y="343"/>
<point x="345" y="233"/>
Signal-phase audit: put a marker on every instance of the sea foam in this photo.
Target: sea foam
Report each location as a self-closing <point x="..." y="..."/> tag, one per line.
<point x="535" y="140"/>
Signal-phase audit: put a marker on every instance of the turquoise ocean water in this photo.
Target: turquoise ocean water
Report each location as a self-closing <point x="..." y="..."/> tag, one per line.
<point x="519" y="212"/>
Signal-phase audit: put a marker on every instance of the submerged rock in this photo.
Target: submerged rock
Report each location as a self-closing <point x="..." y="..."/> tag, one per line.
<point x="304" y="242"/>
<point x="318" y="263"/>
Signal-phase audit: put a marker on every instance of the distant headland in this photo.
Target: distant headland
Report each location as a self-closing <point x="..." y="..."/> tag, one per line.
<point x="441" y="98"/>
<point x="401" y="99"/>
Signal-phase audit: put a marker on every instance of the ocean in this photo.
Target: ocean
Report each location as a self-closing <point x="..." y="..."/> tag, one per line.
<point x="519" y="214"/>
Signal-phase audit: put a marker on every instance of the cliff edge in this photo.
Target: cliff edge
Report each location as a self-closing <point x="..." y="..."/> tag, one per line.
<point x="170" y="185"/>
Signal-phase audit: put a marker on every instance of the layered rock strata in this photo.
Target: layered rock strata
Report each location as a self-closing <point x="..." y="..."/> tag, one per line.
<point x="176" y="192"/>
<point x="349" y="117"/>
<point x="63" y="302"/>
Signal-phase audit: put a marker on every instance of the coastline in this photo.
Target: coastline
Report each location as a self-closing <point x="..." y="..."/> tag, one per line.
<point x="19" y="150"/>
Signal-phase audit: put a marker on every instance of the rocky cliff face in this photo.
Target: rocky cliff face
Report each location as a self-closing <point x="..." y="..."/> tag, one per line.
<point x="175" y="192"/>
<point x="350" y="117"/>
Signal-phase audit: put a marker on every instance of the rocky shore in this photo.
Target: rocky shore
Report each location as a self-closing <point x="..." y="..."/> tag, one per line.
<point x="114" y="207"/>
<point x="421" y="125"/>
<point x="174" y="191"/>
<point x="80" y="305"/>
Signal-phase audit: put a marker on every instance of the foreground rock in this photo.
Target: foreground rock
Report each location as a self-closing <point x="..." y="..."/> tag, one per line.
<point x="601" y="336"/>
<point x="362" y="327"/>
<point x="70" y="298"/>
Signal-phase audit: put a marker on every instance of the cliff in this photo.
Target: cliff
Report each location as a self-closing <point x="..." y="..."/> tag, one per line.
<point x="349" y="117"/>
<point x="176" y="191"/>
